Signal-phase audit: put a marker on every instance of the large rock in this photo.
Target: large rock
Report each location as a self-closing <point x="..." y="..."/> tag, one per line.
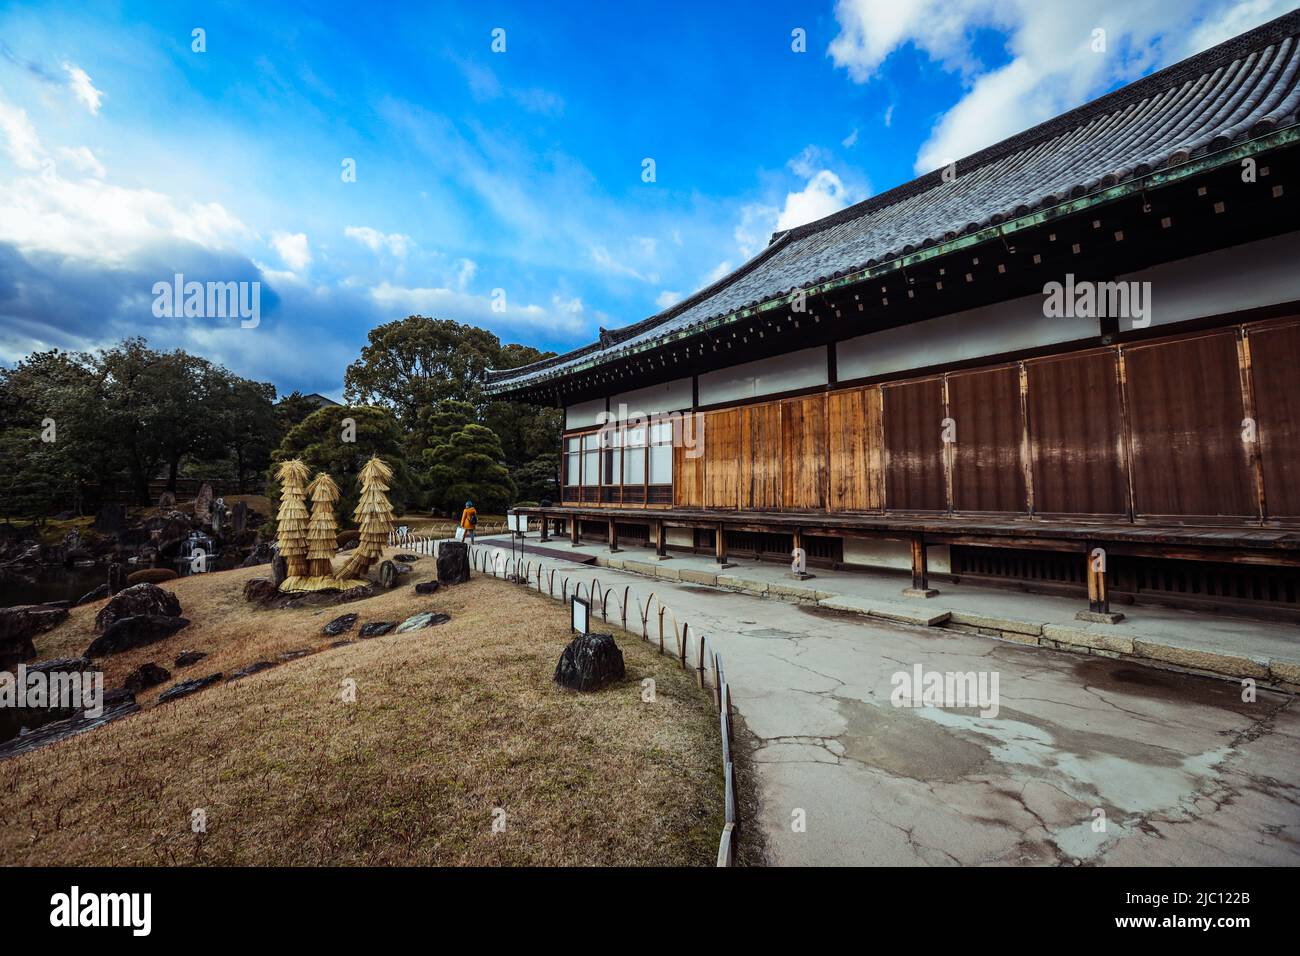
<point x="18" y="625"/>
<point x="417" y="622"/>
<point x="590" y="661"/>
<point x="137" y="600"/>
<point x="203" y="504"/>
<point x="98" y="594"/>
<point x="377" y="628"/>
<point x="128" y="632"/>
<point x="340" y="625"/>
<point x="426" y="587"/>
<point x="279" y="570"/>
<point x="453" y="562"/>
<point x="14" y="720"/>
<point x="187" y="687"/>
<point x="186" y="658"/>
<point x="145" y="676"/>
<point x="260" y="591"/>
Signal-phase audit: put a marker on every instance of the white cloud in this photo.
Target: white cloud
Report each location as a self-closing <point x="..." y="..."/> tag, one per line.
<point x="665" y="299"/>
<point x="83" y="159"/>
<point x="293" y="249"/>
<point x="848" y="142"/>
<point x="397" y="244"/>
<point x="565" y="316"/>
<point x="889" y="116"/>
<point x="87" y="218"/>
<point x="82" y="88"/>
<point x="608" y="263"/>
<point x="824" y="192"/>
<point x="1052" y="67"/>
<point x="21" y="142"/>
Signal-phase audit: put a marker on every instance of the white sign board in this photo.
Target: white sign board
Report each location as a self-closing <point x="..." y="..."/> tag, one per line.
<point x="517" y="523"/>
<point x="581" y="615"/>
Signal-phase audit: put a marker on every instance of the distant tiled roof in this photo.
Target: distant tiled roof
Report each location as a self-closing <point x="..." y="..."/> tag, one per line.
<point x="1242" y="89"/>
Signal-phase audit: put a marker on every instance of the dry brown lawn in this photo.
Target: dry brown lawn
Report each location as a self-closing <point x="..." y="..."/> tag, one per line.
<point x="451" y="726"/>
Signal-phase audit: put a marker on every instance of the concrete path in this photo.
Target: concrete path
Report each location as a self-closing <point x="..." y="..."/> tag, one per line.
<point x="1175" y="767"/>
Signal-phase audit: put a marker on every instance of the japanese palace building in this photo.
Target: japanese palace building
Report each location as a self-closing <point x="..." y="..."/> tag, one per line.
<point x="1085" y="336"/>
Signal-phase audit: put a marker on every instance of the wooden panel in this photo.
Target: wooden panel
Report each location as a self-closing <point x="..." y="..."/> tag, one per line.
<point x="688" y="473"/>
<point x="1076" y="435"/>
<point x="804" y="453"/>
<point x="760" y="457"/>
<point x="987" y="473"/>
<point x="913" y="422"/>
<point x="856" y="476"/>
<point x="1185" y="411"/>
<point x="721" y="458"/>
<point x="1275" y="361"/>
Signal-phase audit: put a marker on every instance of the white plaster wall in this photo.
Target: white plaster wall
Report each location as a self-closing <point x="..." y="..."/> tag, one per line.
<point x="584" y="414"/>
<point x="780" y="373"/>
<point x="894" y="554"/>
<point x="1249" y="276"/>
<point x="679" y="537"/>
<point x="988" y="330"/>
<point x="674" y="396"/>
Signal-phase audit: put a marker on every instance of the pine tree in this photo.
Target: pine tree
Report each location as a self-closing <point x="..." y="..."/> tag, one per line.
<point x="374" y="515"/>
<point x="292" y="518"/>
<point x="322" y="531"/>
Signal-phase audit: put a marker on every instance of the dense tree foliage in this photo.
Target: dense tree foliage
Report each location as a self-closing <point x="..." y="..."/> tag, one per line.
<point x="79" y="429"/>
<point x="468" y="468"/>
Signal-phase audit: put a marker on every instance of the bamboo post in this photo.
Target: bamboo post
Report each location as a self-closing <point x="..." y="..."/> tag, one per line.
<point x="717" y="681"/>
<point x="682" y="637"/>
<point x="699" y="641"/>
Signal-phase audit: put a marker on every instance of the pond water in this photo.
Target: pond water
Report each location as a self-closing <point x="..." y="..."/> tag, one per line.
<point x="68" y="584"/>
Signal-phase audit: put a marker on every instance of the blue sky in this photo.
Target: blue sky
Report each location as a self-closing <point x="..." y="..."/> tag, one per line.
<point x="126" y="156"/>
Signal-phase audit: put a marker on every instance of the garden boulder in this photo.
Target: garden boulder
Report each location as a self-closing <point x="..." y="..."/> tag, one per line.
<point x="453" y="562"/>
<point x="589" y="662"/>
<point x="128" y="632"/>
<point x="137" y="600"/>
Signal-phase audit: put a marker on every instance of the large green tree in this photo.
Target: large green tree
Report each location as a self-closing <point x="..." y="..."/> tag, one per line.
<point x="415" y="362"/>
<point x="468" y="467"/>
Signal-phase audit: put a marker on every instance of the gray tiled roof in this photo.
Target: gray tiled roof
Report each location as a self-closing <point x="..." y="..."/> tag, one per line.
<point x="1244" y="88"/>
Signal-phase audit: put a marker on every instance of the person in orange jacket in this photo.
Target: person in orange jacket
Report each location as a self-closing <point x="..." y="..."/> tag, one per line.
<point x="468" y="520"/>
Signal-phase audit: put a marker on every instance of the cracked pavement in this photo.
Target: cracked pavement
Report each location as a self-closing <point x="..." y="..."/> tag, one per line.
<point x="1178" y="768"/>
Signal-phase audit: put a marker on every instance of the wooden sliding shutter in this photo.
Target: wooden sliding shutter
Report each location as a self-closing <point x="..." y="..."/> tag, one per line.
<point x="856" y="479"/>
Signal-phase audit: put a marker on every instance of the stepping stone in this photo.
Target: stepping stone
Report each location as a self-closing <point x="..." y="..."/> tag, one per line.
<point x="343" y="643"/>
<point x="340" y="625"/>
<point x="294" y="655"/>
<point x="376" y="628"/>
<point x="187" y="687"/>
<point x="406" y="557"/>
<point x="250" y="669"/>
<point x="420" y="621"/>
<point x="186" y="658"/>
<point x="427" y="587"/>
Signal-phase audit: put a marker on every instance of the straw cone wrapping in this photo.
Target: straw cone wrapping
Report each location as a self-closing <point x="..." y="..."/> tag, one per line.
<point x="374" y="515"/>
<point x="322" y="531"/>
<point x="292" y="518"/>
